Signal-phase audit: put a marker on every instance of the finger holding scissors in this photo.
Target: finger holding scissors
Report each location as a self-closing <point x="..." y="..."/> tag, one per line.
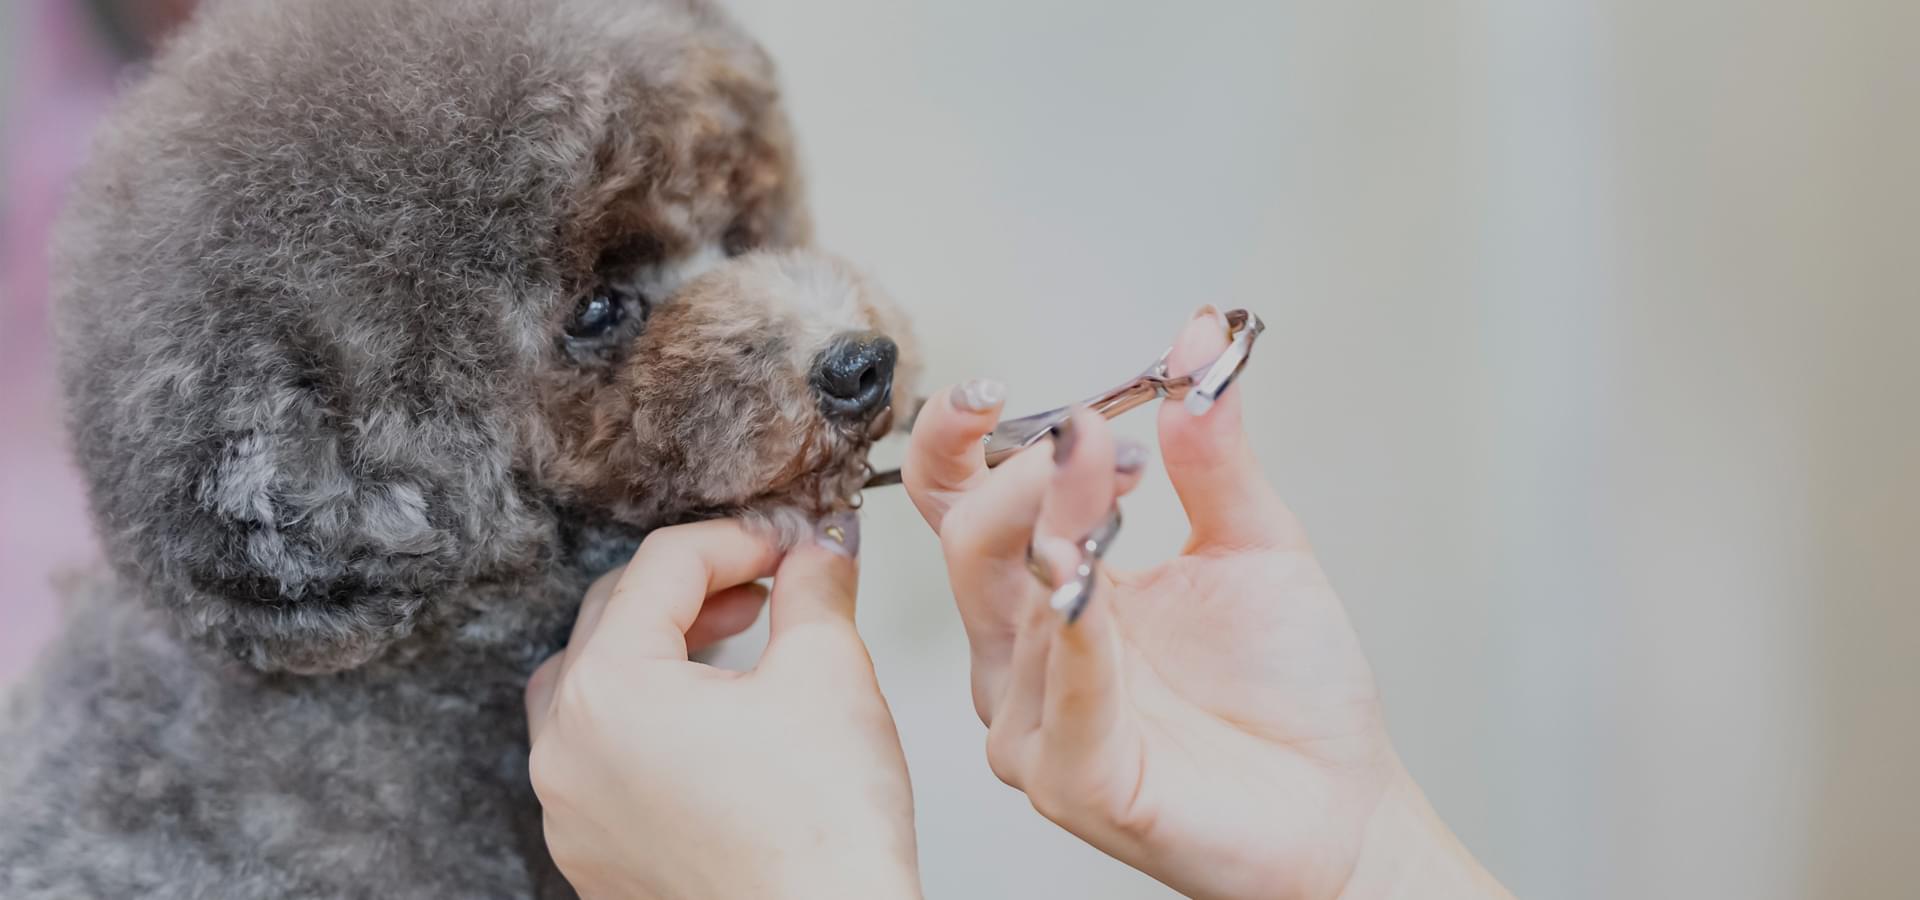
<point x="1198" y="391"/>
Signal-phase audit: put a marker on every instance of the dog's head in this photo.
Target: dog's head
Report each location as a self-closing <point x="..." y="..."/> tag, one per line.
<point x="404" y="318"/>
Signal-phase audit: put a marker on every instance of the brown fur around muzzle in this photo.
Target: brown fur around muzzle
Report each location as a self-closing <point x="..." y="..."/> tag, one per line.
<point x="713" y="412"/>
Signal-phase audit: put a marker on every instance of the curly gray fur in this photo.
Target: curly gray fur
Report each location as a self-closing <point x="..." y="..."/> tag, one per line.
<point x="351" y="468"/>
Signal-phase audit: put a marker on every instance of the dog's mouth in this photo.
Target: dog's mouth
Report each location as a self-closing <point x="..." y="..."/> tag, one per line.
<point x="832" y="483"/>
<point x="789" y="506"/>
<point x="822" y="480"/>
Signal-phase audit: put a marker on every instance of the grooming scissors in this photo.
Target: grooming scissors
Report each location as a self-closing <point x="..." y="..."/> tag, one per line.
<point x="1197" y="390"/>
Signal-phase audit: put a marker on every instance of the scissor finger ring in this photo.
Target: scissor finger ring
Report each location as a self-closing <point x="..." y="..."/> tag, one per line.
<point x="1070" y="599"/>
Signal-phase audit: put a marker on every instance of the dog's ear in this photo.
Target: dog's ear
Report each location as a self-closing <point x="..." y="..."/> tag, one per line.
<point x="294" y="500"/>
<point x="294" y="553"/>
<point x="302" y="285"/>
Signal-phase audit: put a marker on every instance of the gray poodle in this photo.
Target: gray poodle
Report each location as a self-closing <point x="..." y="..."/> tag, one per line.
<point x="387" y="325"/>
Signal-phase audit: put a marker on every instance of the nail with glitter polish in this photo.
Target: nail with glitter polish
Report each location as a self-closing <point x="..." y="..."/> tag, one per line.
<point x="1209" y="311"/>
<point x="978" y="395"/>
<point x="840" y="533"/>
<point x="1070" y="599"/>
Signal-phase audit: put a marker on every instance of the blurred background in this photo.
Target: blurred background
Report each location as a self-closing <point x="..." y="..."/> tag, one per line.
<point x="1593" y="363"/>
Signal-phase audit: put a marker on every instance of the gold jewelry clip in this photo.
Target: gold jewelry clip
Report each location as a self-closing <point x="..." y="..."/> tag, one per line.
<point x="1197" y="390"/>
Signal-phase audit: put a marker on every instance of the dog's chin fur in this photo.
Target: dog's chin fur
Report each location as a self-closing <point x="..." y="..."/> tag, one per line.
<point x="790" y="513"/>
<point x="351" y="461"/>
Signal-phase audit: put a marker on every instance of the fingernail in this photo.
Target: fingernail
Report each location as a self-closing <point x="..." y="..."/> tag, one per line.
<point x="1130" y="456"/>
<point x="978" y="395"/>
<point x="840" y="533"/>
<point x="1209" y="311"/>
<point x="1069" y="600"/>
<point x="1063" y="440"/>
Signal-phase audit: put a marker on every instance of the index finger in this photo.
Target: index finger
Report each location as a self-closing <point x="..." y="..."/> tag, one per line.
<point x="944" y="453"/>
<point x="659" y="595"/>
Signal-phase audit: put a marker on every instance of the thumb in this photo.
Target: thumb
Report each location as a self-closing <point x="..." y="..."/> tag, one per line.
<point x="944" y="454"/>
<point x="1228" y="500"/>
<point x="816" y="582"/>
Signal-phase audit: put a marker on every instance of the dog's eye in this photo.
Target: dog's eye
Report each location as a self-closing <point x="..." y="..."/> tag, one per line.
<point x="598" y="313"/>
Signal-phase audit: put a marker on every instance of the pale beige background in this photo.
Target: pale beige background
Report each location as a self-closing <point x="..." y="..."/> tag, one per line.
<point x="1592" y="365"/>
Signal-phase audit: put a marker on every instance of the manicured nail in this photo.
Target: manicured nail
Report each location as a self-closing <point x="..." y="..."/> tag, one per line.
<point x="1063" y="440"/>
<point x="978" y="395"/>
<point x="1209" y="311"/>
<point x="840" y="533"/>
<point x="1070" y="599"/>
<point x="1130" y="456"/>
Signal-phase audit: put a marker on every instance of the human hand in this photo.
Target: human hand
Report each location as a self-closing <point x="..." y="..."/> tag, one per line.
<point x="665" y="778"/>
<point x="1211" y="720"/>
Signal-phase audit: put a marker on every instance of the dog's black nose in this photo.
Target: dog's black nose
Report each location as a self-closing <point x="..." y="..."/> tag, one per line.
<point x="854" y="376"/>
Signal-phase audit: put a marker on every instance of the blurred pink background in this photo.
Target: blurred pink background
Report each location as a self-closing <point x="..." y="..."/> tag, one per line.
<point x="59" y="75"/>
<point x="59" y="62"/>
